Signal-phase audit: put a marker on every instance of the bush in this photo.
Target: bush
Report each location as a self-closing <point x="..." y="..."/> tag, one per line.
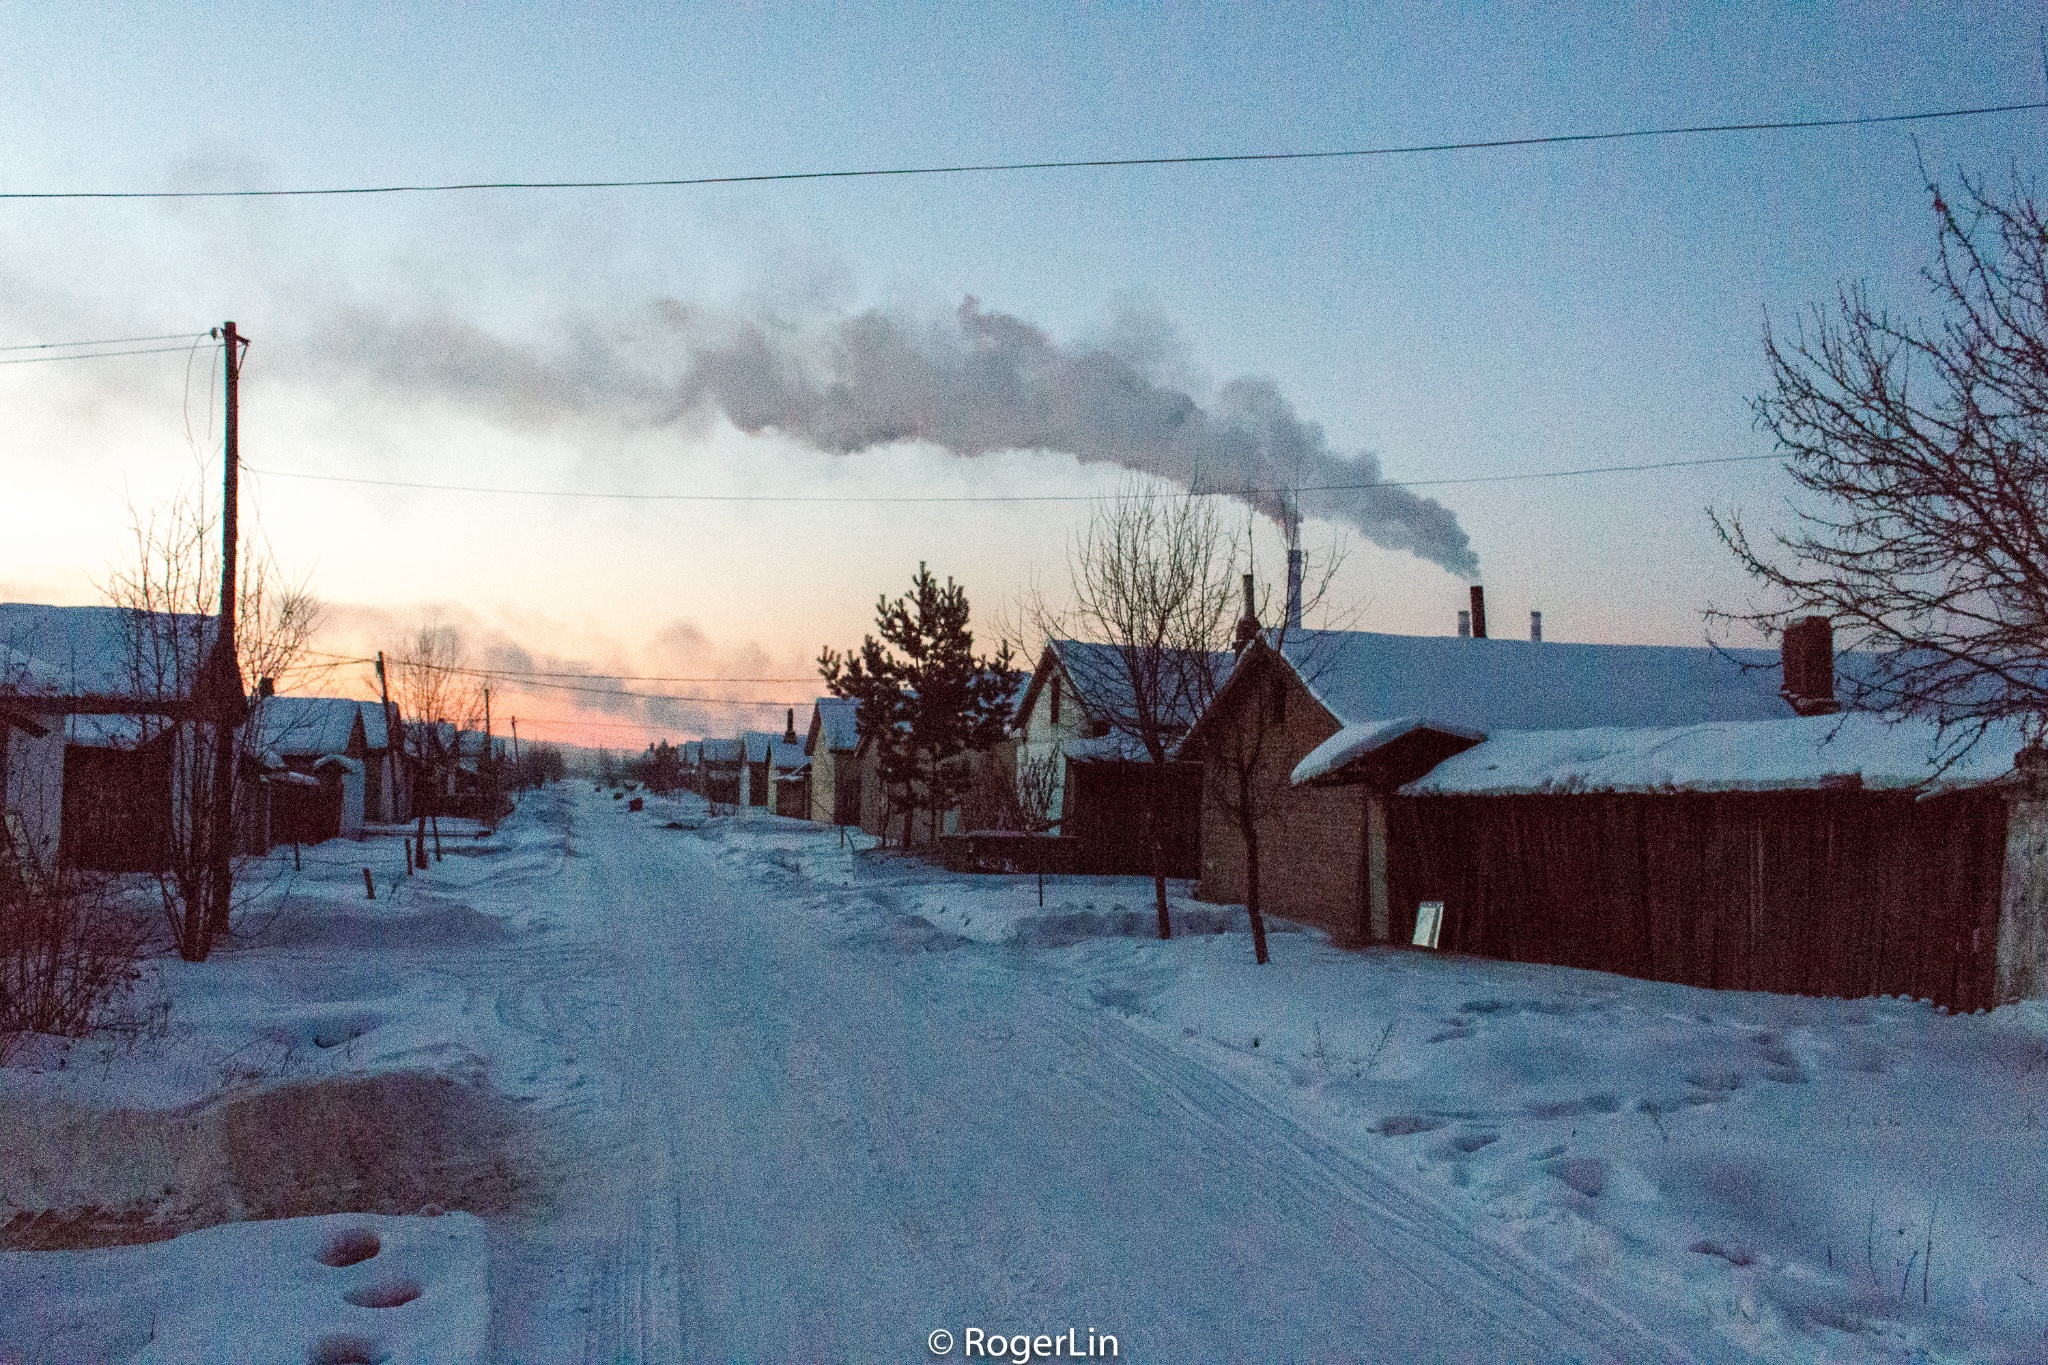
<point x="68" y="958"/>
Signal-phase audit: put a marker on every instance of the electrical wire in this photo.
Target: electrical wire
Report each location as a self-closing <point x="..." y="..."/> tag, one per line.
<point x="1100" y="163"/>
<point x="103" y="341"/>
<point x="999" y="497"/>
<point x="95" y="355"/>
<point x="516" y="673"/>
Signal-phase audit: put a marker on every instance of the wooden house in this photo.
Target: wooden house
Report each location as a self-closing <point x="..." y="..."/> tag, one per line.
<point x="1078" y="722"/>
<point x="327" y="739"/>
<point x="1280" y="704"/>
<point x="833" y="744"/>
<point x="722" y="770"/>
<point x="1840" y="855"/>
<point x="99" y="708"/>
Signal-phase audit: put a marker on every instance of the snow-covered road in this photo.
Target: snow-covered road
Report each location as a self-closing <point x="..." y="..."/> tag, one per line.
<point x="797" y="1126"/>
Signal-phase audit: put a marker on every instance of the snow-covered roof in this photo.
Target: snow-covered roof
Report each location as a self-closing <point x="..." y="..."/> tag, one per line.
<point x="100" y="651"/>
<point x="758" y="742"/>
<point x="788" y="757"/>
<point x="693" y="752"/>
<point x="1791" y="753"/>
<point x="1100" y="683"/>
<point x="376" y="734"/>
<point x="839" y="723"/>
<point x="1362" y="739"/>
<point x="1493" y="684"/>
<point x="723" y="750"/>
<point x="310" y="725"/>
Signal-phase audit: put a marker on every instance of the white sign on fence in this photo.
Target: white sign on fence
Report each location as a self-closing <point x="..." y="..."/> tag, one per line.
<point x="1429" y="922"/>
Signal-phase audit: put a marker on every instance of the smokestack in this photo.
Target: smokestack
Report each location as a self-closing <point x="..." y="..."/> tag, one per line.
<point x="789" y="727"/>
<point x="1247" y="624"/>
<point x="1478" y="612"/>
<point x="1536" y="626"/>
<point x="1464" y="625"/>
<point x="1293" y="568"/>
<point x="266" y="687"/>
<point x="1808" y="666"/>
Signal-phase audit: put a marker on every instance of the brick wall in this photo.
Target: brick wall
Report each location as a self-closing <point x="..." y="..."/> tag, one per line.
<point x="1311" y="840"/>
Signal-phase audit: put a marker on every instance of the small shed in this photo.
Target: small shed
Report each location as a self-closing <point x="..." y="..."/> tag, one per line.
<point x="326" y="739"/>
<point x="723" y="770"/>
<point x="1841" y="855"/>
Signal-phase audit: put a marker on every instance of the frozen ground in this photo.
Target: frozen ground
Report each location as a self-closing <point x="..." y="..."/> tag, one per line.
<point x="606" y="1089"/>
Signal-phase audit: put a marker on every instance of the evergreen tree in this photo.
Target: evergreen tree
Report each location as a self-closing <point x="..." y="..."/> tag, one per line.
<point x="925" y="697"/>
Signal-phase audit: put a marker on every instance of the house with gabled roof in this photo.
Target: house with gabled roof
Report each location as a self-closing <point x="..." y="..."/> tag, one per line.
<point x="94" y="702"/>
<point x="1078" y="718"/>
<point x="1406" y="702"/>
<point x="833" y="746"/>
<point x="327" y="739"/>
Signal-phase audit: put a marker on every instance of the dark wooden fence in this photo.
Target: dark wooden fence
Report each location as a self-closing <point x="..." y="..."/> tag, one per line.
<point x="1844" y="893"/>
<point x="1109" y="809"/>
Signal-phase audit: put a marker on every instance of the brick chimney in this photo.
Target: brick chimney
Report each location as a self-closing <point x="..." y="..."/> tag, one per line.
<point x="1808" y="666"/>
<point x="1247" y="624"/>
<point x="789" y="727"/>
<point x="1478" y="612"/>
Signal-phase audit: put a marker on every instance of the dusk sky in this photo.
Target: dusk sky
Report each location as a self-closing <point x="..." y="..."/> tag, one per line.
<point x="1451" y="316"/>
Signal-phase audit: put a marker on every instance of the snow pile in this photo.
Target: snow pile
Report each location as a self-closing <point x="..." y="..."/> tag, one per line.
<point x="1852" y="749"/>
<point x="343" y="1288"/>
<point x="1356" y="740"/>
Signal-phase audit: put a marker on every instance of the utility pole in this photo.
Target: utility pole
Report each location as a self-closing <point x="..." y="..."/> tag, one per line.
<point x="392" y="748"/>
<point x="220" y="879"/>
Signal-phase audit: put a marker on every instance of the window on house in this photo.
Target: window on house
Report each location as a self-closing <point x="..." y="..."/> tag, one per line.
<point x="1055" y="699"/>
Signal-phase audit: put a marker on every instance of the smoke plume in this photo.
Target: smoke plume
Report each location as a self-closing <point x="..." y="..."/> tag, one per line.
<point x="976" y="383"/>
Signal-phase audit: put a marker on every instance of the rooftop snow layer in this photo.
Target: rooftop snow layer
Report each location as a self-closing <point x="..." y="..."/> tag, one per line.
<point x="839" y="723"/>
<point x="93" y="651"/>
<point x="1356" y="740"/>
<point x="1493" y="684"/>
<point x="310" y="725"/>
<point x="1798" y="752"/>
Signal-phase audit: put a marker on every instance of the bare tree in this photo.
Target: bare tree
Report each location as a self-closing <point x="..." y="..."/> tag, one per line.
<point x="1243" y="746"/>
<point x="436" y="695"/>
<point x="1151" y="578"/>
<point x="1922" y="452"/>
<point x="170" y="586"/>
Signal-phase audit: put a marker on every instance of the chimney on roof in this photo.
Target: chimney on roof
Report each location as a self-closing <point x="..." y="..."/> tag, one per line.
<point x="1478" y="612"/>
<point x="1464" y="625"/>
<point x="789" y="727"/>
<point x="266" y="687"/>
<point x="1247" y="624"/>
<point x="1536" y="626"/>
<point x="1293" y="569"/>
<point x="1808" y="666"/>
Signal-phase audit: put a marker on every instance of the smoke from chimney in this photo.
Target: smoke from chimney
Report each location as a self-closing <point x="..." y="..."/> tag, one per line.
<point x="972" y="384"/>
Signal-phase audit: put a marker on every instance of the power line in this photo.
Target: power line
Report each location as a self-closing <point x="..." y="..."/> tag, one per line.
<point x="997" y="497"/>
<point x="1101" y="163"/>
<point x="516" y="673"/>
<point x="93" y="355"/>
<point x="103" y="341"/>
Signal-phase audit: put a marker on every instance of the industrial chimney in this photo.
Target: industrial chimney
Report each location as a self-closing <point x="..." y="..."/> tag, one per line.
<point x="1464" y="625"/>
<point x="1536" y="626"/>
<point x="1293" y="568"/>
<point x="1808" y="666"/>
<point x="1478" y="612"/>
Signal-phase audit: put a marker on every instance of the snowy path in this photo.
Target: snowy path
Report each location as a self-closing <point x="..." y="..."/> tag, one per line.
<point x="797" y="1140"/>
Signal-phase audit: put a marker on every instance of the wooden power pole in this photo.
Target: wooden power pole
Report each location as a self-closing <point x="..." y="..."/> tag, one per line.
<point x="221" y="849"/>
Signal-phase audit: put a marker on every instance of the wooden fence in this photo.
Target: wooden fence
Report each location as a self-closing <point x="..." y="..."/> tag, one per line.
<point x="1844" y="893"/>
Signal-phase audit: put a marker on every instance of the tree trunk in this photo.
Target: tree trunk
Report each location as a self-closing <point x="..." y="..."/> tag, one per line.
<point x="1248" y="826"/>
<point x="1158" y="848"/>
